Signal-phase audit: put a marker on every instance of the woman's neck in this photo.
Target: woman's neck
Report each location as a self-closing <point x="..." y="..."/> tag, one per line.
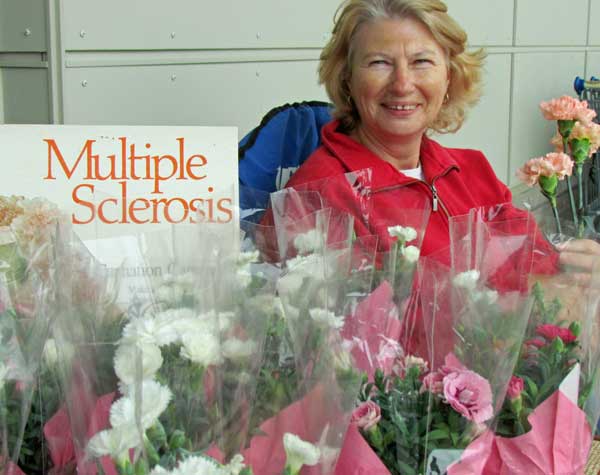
<point x="402" y="155"/>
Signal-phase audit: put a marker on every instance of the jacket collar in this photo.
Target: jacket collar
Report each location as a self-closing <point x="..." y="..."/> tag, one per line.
<point x="435" y="159"/>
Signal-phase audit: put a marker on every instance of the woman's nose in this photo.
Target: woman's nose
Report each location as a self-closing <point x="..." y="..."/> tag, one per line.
<point x="402" y="80"/>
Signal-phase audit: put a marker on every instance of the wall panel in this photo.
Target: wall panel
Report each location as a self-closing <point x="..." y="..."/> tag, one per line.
<point x="487" y="22"/>
<point x="25" y="95"/>
<point x="594" y="31"/>
<point x="236" y="94"/>
<point x="22" y="25"/>
<point x="196" y="24"/>
<point x="551" y="22"/>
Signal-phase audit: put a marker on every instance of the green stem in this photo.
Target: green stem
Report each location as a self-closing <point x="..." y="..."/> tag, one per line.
<point x="572" y="201"/>
<point x="556" y="217"/>
<point x="579" y="169"/>
<point x="569" y="185"/>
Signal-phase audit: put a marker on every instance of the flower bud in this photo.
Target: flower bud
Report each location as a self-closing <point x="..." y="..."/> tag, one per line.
<point x="558" y="345"/>
<point x="575" y="328"/>
<point x="177" y="440"/>
<point x="157" y="435"/>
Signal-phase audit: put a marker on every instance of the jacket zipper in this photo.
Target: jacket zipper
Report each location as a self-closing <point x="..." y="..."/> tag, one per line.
<point x="436" y="201"/>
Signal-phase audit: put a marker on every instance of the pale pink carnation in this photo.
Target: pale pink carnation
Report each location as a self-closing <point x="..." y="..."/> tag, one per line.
<point x="566" y="108"/>
<point x="589" y="131"/>
<point x="557" y="142"/>
<point x="366" y="415"/>
<point x="411" y="361"/>
<point x="37" y="221"/>
<point x="515" y="388"/>
<point x="548" y="165"/>
<point x="585" y="114"/>
<point x="560" y="163"/>
<point x="469" y="394"/>
<point x="9" y="209"/>
<point x="389" y="351"/>
<point x="530" y="172"/>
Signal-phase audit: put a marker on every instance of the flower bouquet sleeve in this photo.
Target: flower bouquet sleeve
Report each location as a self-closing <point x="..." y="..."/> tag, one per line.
<point x="25" y="315"/>
<point x="310" y="379"/>
<point x="476" y="316"/>
<point x="547" y="419"/>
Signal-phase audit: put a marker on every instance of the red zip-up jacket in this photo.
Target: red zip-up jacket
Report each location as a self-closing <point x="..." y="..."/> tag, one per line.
<point x="456" y="180"/>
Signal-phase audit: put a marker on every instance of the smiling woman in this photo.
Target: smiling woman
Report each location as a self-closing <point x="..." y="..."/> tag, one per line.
<point x="397" y="70"/>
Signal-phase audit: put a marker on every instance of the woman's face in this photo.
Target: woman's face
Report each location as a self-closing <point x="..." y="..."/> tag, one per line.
<point x="399" y="78"/>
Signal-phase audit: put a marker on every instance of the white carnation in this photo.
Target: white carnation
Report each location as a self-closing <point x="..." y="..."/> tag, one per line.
<point x="199" y="466"/>
<point x="50" y="353"/>
<point x="245" y="258"/>
<point x="466" y="280"/>
<point x="235" y="349"/>
<point x="309" y="242"/>
<point x="299" y="452"/>
<point x="158" y="470"/>
<point x="411" y="253"/>
<point x="243" y="276"/>
<point x="201" y="348"/>
<point x="235" y="465"/>
<point x="114" y="442"/>
<point x="326" y="318"/>
<point x="403" y="233"/>
<point x="150" y="330"/>
<point x="127" y="358"/>
<point x="169" y="294"/>
<point x="486" y="296"/>
<point x="154" y="399"/>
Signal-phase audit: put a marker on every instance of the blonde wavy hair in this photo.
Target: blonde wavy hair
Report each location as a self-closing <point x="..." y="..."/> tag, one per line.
<point x="465" y="67"/>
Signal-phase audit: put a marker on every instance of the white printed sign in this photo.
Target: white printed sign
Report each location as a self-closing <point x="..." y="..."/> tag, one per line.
<point x="116" y="182"/>
<point x="124" y="174"/>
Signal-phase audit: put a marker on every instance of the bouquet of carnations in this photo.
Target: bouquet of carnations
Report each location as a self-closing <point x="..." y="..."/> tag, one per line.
<point x="26" y="296"/>
<point x="320" y="282"/>
<point x="140" y="379"/>
<point x="428" y="412"/>
<point x="553" y="399"/>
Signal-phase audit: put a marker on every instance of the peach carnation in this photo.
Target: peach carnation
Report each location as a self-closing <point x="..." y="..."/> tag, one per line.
<point x="557" y="142"/>
<point x="589" y="131"/>
<point x="567" y="108"/>
<point x="559" y="164"/>
<point x="9" y="209"/>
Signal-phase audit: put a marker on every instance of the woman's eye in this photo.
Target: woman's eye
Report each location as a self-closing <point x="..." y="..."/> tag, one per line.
<point x="378" y="62"/>
<point x="423" y="61"/>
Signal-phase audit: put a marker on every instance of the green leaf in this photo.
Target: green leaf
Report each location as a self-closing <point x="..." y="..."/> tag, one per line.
<point x="438" y="434"/>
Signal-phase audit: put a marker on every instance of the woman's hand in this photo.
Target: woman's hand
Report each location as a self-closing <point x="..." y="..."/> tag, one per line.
<point x="580" y="256"/>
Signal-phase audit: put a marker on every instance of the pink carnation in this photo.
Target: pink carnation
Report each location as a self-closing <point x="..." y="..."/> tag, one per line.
<point x="366" y="415"/>
<point x="537" y="342"/>
<point x="584" y="114"/>
<point x="550" y="332"/>
<point x="557" y="142"/>
<point x="515" y="388"/>
<point x="469" y="394"/>
<point x="589" y="131"/>
<point x="433" y="383"/>
<point x="559" y="164"/>
<point x="567" y="108"/>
